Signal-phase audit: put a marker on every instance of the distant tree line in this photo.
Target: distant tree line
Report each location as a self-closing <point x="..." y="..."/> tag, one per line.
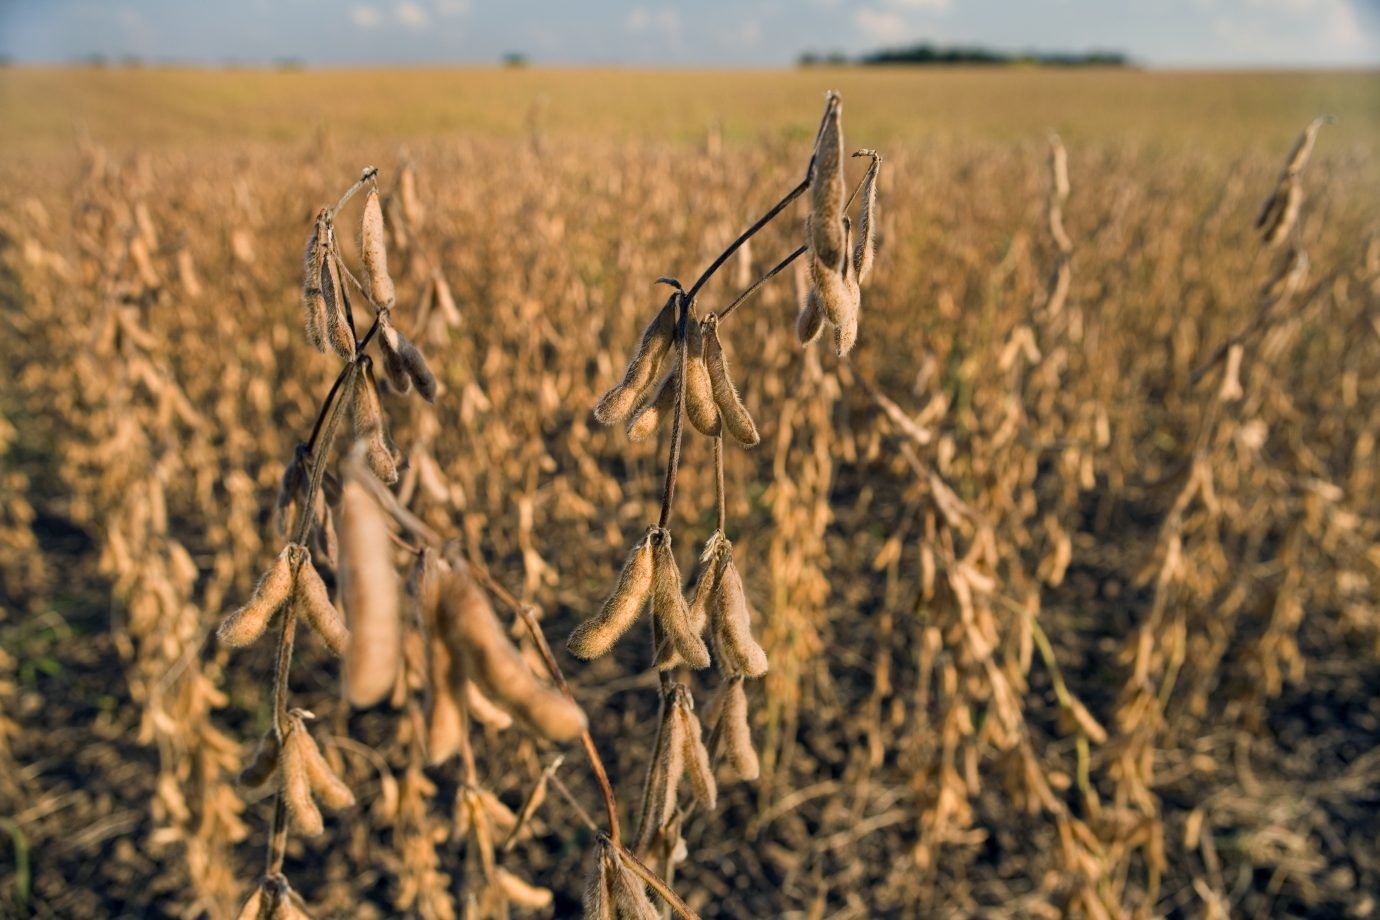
<point x="925" y="54"/>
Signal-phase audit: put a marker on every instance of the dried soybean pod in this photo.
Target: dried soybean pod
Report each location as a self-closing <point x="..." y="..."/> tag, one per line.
<point x="732" y="626"/>
<point x="810" y="321"/>
<point x="598" y="898"/>
<point x="865" y="250"/>
<point x="373" y="248"/>
<point x="648" y="418"/>
<point x="367" y="417"/>
<point x="663" y="776"/>
<point x="630" y="901"/>
<point x="393" y="367"/>
<point x="492" y="661"/>
<point x="520" y="892"/>
<point x="597" y="635"/>
<point x="295" y="784"/>
<point x="484" y="709"/>
<point x="328" y="787"/>
<point x="699" y="392"/>
<point x="696" y="756"/>
<point x="825" y="229"/>
<point x="414" y="362"/>
<point x="313" y="300"/>
<point x="669" y="606"/>
<point x="369" y="589"/>
<point x="315" y="605"/>
<point x="275" y="587"/>
<point x="339" y="333"/>
<point x="735" y="415"/>
<point x="656" y="343"/>
<point x="735" y="736"/>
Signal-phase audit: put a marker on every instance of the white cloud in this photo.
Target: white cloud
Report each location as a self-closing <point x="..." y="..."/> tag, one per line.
<point x="663" y="20"/>
<point x="364" y="17"/>
<point x="929" y="6"/>
<point x="880" y="25"/>
<point x="411" y="15"/>
<point x="453" y="7"/>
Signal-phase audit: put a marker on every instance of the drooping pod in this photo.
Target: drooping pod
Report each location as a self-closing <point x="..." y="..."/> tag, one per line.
<point x="367" y="417"/>
<point x="275" y="588"/>
<point x="644" y="369"/>
<point x="664" y="771"/>
<point x="305" y="776"/>
<point x="597" y="635"/>
<point x="810" y="321"/>
<point x="369" y="589"/>
<point x="696" y="756"/>
<point x="338" y="333"/>
<point x="699" y="391"/>
<point x="733" y="733"/>
<point x="314" y="603"/>
<point x="647" y="419"/>
<point x="864" y="252"/>
<point x="669" y="608"/>
<point x="373" y="248"/>
<point x="825" y="228"/>
<point x="481" y="646"/>
<point x="313" y="299"/>
<point x="731" y="625"/>
<point x="731" y="409"/>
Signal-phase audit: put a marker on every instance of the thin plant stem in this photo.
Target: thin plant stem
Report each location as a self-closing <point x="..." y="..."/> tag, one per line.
<point x="757" y="285"/>
<point x="655" y="883"/>
<point x="750" y="232"/>
<point x="548" y="659"/>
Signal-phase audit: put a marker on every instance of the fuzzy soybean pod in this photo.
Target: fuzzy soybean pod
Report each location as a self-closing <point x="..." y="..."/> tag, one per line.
<point x="643" y="370"/>
<point x="314" y="603"/>
<point x="667" y="765"/>
<point x="313" y="299"/>
<point x="369" y="587"/>
<point x="734" y="733"/>
<point x="739" y="652"/>
<point x="647" y="419"/>
<point x="490" y="659"/>
<point x="248" y="623"/>
<point x="735" y="415"/>
<point x="339" y="334"/>
<point x="696" y="755"/>
<point x="669" y="608"/>
<point x="597" y="635"/>
<point x="373" y="248"/>
<point x="699" y="391"/>
<point x="292" y="769"/>
<point x="810" y="321"/>
<point x="864" y="252"/>
<point x="826" y="189"/>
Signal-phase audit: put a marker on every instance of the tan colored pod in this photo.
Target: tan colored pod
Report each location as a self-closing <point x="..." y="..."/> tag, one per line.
<point x="699" y="392"/>
<point x="492" y="661"/>
<point x="630" y="901"/>
<point x="731" y="409"/>
<point x="325" y="785"/>
<point x="313" y="300"/>
<point x="662" y="783"/>
<point x="668" y="603"/>
<point x="369" y="591"/>
<point x="696" y="755"/>
<point x="643" y="370"/>
<point x="248" y="623"/>
<point x="314" y="603"/>
<point x="648" y="418"/>
<point x="340" y="335"/>
<point x="598" y="897"/>
<point x="864" y="252"/>
<point x="520" y="892"/>
<point x="296" y="786"/>
<point x="735" y="735"/>
<point x="810" y="321"/>
<point x="731" y="623"/>
<point x="596" y="635"/>
<point x="825" y="228"/>
<point x="373" y="248"/>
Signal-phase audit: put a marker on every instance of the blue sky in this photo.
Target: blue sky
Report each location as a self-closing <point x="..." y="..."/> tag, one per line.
<point x="1167" y="33"/>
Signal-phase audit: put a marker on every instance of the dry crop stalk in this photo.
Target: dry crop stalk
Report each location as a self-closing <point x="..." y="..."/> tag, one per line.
<point x="684" y="352"/>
